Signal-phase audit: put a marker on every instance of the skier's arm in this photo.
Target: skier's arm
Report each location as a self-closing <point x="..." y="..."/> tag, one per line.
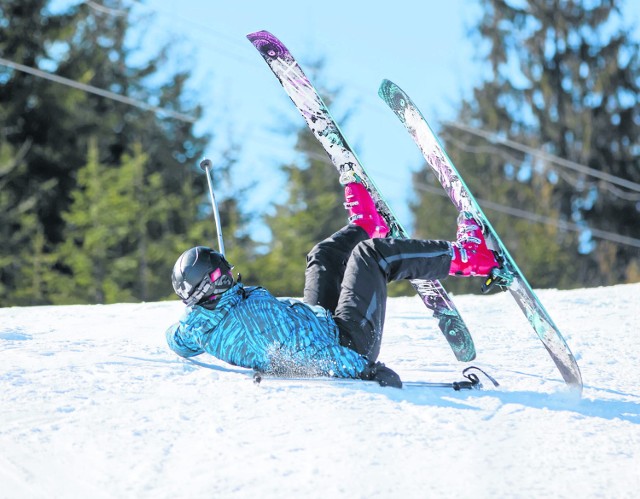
<point x="179" y="343"/>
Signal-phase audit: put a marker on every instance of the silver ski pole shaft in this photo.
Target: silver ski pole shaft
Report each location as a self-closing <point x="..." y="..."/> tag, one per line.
<point x="207" y="166"/>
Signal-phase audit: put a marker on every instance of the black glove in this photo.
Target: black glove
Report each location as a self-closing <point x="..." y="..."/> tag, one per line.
<point x="377" y="371"/>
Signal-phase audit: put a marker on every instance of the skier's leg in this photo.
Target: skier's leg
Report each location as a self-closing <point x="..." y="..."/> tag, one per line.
<point x="327" y="261"/>
<point x="326" y="264"/>
<point x="361" y="308"/>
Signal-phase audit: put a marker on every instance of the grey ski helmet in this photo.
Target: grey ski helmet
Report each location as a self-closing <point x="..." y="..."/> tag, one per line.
<point x="201" y="274"/>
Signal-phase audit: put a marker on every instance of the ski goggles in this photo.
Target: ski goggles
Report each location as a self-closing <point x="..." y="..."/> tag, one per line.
<point x="212" y="286"/>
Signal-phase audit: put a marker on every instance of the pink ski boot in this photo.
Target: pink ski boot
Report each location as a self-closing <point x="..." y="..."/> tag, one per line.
<point x="362" y="210"/>
<point x="471" y="256"/>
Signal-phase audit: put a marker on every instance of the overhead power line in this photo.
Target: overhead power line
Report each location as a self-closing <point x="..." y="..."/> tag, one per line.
<point x="534" y="217"/>
<point x="106" y="10"/>
<point x="572" y="165"/>
<point x="97" y="91"/>
<point x="490" y="137"/>
<point x="518" y="213"/>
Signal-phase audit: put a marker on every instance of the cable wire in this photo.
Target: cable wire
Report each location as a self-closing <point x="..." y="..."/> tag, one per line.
<point x="536" y="218"/>
<point x="572" y="165"/>
<point x="490" y="137"/>
<point x="97" y="91"/>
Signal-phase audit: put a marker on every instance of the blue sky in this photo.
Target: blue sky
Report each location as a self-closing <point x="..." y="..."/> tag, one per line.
<point x="422" y="45"/>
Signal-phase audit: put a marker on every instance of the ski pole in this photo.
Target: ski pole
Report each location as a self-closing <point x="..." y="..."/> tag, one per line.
<point x="207" y="166"/>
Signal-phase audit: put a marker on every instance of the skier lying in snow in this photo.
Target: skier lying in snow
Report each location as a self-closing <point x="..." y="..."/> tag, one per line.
<point x="337" y="329"/>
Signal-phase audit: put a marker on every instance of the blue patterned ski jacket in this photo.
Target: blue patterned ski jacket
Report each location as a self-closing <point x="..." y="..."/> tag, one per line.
<point x="251" y="328"/>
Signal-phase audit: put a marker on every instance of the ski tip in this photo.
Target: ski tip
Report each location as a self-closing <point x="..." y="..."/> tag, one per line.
<point x="392" y="93"/>
<point x="258" y="34"/>
<point x="383" y="88"/>
<point x="269" y="46"/>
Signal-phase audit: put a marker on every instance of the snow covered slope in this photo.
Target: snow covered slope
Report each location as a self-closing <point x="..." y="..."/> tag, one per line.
<point x="93" y="404"/>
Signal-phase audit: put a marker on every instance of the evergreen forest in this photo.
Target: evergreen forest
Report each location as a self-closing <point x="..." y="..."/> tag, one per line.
<point x="100" y="189"/>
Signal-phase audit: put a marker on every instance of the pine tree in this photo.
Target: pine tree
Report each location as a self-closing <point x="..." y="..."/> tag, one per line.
<point x="312" y="212"/>
<point x="46" y="142"/>
<point x="565" y="79"/>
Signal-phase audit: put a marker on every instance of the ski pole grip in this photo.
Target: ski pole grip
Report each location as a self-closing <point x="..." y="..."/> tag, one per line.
<point x="206" y="164"/>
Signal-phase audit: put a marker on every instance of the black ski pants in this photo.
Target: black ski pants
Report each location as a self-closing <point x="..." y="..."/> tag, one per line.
<point x="347" y="274"/>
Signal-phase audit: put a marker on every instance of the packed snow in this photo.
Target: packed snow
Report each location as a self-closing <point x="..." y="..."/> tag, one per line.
<point x="94" y="404"/>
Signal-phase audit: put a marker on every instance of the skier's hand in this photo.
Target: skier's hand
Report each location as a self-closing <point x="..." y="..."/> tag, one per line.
<point x="377" y="371"/>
